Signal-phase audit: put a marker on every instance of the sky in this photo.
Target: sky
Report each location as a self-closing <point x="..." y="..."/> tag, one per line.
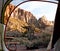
<point x="16" y="2"/>
<point x="39" y="9"/>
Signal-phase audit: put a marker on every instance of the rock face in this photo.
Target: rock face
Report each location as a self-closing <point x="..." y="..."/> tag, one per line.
<point x="20" y="14"/>
<point x="25" y="16"/>
<point x="19" y="17"/>
<point x="16" y="24"/>
<point x="8" y="11"/>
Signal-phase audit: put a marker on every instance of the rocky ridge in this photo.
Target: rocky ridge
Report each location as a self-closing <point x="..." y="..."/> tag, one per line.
<point x="20" y="18"/>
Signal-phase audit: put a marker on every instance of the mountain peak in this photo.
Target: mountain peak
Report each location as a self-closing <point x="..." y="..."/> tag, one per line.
<point x="44" y="17"/>
<point x="44" y="22"/>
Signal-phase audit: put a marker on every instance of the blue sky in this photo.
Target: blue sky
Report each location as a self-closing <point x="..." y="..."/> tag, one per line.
<point x="39" y="9"/>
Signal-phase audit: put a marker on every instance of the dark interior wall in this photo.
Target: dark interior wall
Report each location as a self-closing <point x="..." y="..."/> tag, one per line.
<point x="56" y="33"/>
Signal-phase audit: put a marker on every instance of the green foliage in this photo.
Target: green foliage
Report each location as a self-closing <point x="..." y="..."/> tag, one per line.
<point x="28" y="39"/>
<point x="34" y="41"/>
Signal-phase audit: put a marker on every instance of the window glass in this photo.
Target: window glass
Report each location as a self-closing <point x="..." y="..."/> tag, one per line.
<point x="30" y="25"/>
